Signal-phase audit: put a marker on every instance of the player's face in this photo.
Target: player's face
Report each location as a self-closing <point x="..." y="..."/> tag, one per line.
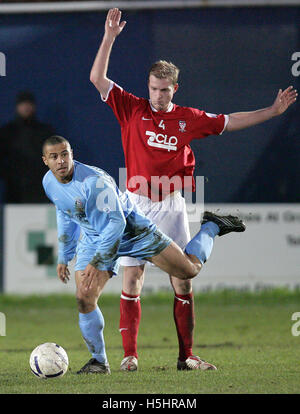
<point x="161" y="92"/>
<point x="59" y="159"/>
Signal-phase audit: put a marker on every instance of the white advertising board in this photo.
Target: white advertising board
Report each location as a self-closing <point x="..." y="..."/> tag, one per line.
<point x="28" y="229"/>
<point x="266" y="254"/>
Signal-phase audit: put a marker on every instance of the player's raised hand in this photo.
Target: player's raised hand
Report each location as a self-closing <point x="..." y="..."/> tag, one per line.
<point x="63" y="272"/>
<point x="283" y="100"/>
<point x="113" y="24"/>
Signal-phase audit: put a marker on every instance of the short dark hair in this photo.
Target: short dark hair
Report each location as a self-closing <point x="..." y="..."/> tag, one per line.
<point x="25" y="96"/>
<point x="54" y="140"/>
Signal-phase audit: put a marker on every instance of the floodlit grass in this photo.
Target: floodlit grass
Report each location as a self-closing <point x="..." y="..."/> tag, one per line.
<point x="246" y="335"/>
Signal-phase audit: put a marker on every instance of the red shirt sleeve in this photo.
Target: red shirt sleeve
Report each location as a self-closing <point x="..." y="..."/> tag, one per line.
<point x="121" y="102"/>
<point x="205" y="123"/>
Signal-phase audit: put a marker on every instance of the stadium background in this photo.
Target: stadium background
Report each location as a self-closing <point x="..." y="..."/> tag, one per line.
<point x="231" y="59"/>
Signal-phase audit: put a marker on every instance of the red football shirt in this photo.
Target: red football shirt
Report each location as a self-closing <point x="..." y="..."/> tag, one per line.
<point x="158" y="156"/>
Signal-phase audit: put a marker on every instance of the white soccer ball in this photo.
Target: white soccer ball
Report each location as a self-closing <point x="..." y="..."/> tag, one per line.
<point x="49" y="360"/>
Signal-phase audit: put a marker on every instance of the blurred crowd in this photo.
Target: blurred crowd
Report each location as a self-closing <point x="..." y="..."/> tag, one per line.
<point x="21" y="166"/>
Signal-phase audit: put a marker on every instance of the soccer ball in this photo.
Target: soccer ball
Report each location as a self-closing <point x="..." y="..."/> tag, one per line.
<point x="49" y="360"/>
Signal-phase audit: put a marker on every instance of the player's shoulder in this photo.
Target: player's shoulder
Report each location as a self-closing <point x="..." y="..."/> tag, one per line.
<point x="188" y="111"/>
<point x="48" y="177"/>
<point x="49" y="184"/>
<point x="90" y="175"/>
<point x="87" y="171"/>
<point x="119" y="90"/>
<point x="84" y="172"/>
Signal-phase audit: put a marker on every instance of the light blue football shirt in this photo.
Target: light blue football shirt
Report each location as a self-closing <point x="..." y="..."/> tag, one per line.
<point x="91" y="205"/>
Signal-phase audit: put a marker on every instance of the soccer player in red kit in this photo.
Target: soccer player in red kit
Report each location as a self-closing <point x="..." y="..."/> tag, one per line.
<point x="156" y="134"/>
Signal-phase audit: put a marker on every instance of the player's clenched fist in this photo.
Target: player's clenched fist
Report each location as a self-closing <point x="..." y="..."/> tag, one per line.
<point x="113" y="27"/>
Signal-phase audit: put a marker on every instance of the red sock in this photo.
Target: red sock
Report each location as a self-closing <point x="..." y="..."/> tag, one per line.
<point x="185" y="321"/>
<point x="130" y="316"/>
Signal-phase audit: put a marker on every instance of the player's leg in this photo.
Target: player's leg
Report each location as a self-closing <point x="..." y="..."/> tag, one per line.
<point x="132" y="288"/>
<point x="174" y="261"/>
<point x="183" y="312"/>
<point x="130" y="311"/>
<point x="87" y="299"/>
<point x="185" y="322"/>
<point x="174" y="222"/>
<point x="133" y="276"/>
<point x="130" y="305"/>
<point x="200" y="248"/>
<point x="201" y="245"/>
<point x="133" y="279"/>
<point x="183" y="303"/>
<point x="212" y="225"/>
<point x="158" y="248"/>
<point x="91" y="321"/>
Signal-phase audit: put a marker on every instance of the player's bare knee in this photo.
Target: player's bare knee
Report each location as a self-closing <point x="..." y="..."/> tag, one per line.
<point x="198" y="267"/>
<point x="133" y="289"/>
<point x="84" y="303"/>
<point x="192" y="271"/>
<point x="81" y="304"/>
<point x="182" y="286"/>
<point x="133" y="280"/>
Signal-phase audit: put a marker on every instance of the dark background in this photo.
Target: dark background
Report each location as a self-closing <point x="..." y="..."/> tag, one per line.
<point x="231" y="60"/>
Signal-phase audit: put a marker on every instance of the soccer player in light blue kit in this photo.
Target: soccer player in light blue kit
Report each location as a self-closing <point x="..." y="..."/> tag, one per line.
<point x="99" y="224"/>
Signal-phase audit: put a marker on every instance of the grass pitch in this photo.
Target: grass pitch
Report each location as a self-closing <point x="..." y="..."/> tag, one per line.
<point x="246" y="335"/>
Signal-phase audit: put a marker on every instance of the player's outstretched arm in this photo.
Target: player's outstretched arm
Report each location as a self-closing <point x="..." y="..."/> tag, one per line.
<point x="113" y="27"/>
<point x="283" y="101"/>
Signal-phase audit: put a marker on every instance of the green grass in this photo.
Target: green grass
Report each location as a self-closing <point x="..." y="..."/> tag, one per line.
<point x="247" y="335"/>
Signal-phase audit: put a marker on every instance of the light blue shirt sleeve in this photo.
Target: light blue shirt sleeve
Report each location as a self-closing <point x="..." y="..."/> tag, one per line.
<point x="105" y="214"/>
<point x="68" y="234"/>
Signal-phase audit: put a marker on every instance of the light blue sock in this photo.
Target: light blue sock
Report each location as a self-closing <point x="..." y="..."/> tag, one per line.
<point x="201" y="245"/>
<point x="91" y="325"/>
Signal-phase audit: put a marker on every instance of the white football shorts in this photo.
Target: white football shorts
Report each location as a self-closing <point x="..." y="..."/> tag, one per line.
<point x="169" y="215"/>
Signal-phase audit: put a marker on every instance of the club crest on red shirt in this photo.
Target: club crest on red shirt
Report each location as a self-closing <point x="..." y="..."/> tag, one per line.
<point x="182" y="125"/>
